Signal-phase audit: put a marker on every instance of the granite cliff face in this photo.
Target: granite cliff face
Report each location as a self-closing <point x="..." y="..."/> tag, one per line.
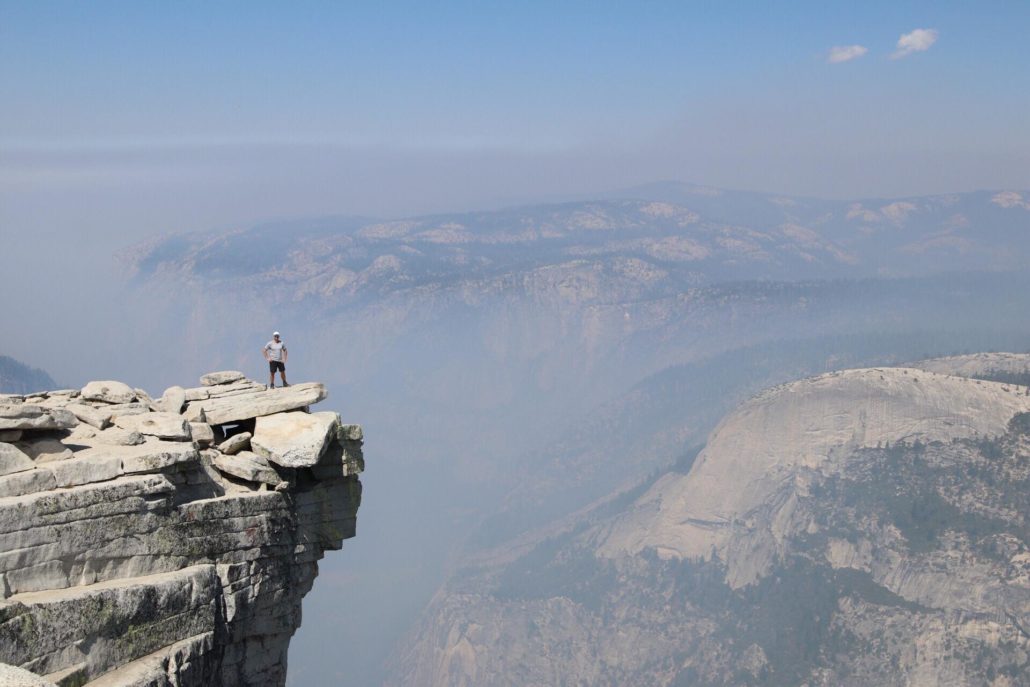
<point x="864" y="527"/>
<point x="169" y="541"/>
<point x="739" y="500"/>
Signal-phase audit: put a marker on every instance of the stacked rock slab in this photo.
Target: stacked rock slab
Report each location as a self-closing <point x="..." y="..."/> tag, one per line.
<point x="170" y="541"/>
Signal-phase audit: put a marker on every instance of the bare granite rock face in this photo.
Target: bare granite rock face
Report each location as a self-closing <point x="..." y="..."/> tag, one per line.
<point x="142" y="554"/>
<point x="773" y="440"/>
<point x="864" y="527"/>
<point x="1000" y="367"/>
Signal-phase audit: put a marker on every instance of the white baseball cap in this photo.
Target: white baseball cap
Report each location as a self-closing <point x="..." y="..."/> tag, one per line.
<point x="275" y="333"/>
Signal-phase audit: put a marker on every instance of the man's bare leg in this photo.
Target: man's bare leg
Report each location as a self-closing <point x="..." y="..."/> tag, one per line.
<point x="271" y="380"/>
<point x="282" y="373"/>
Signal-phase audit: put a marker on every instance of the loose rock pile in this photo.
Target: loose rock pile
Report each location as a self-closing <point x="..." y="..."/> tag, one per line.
<point x="167" y="541"/>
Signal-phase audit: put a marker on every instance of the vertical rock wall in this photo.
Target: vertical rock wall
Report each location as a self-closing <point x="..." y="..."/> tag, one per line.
<point x="170" y="541"/>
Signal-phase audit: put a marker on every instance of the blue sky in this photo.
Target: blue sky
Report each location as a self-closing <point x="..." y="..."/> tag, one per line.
<point x="525" y="77"/>
<point x="394" y="108"/>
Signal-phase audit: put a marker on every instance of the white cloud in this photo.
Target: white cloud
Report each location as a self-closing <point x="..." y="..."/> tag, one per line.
<point x="915" y="41"/>
<point x="845" y="53"/>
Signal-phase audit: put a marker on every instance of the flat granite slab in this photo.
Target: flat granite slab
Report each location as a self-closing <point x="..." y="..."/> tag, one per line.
<point x="244" y="406"/>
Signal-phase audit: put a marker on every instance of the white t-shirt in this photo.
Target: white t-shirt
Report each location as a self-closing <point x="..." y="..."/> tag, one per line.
<point x="275" y="350"/>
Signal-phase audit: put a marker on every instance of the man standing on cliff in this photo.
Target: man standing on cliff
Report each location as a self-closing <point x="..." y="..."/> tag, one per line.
<point x="276" y="355"/>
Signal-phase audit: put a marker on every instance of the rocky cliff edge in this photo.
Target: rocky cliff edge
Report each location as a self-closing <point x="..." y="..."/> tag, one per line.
<point x="166" y="541"/>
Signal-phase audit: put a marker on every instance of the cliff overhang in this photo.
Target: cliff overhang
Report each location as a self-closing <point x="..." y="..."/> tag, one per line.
<point x="166" y="541"/>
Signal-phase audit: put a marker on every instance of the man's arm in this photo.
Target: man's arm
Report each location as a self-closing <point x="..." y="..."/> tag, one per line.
<point x="286" y="354"/>
<point x="264" y="352"/>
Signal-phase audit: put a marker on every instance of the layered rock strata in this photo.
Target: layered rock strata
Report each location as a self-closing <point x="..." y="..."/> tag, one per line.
<point x="168" y="541"/>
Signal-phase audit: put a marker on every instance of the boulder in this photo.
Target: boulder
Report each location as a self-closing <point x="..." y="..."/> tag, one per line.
<point x="248" y="466"/>
<point x="30" y="416"/>
<point x="90" y="415"/>
<point x="220" y="411"/>
<point x="143" y="397"/>
<point x="202" y="433"/>
<point x="173" y="399"/>
<point x="161" y="425"/>
<point x="224" y="377"/>
<point x="55" y="402"/>
<point x="197" y="394"/>
<point x="13" y="459"/>
<point x="44" y="449"/>
<point x="116" y="436"/>
<point x="81" y="431"/>
<point x="108" y="392"/>
<point x="119" y="409"/>
<point x="294" y="439"/>
<point x="235" y="443"/>
<point x="112" y="436"/>
<point x="152" y="456"/>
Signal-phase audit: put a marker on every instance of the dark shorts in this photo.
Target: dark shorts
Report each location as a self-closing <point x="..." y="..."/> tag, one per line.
<point x="274" y="365"/>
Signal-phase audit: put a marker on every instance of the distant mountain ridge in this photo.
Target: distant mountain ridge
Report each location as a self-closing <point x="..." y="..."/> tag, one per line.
<point x="547" y="306"/>
<point x="669" y="237"/>
<point x="19" y="378"/>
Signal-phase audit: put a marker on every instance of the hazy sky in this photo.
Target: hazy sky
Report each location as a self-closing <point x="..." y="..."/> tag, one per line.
<point x="121" y="120"/>
<point x="391" y="108"/>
